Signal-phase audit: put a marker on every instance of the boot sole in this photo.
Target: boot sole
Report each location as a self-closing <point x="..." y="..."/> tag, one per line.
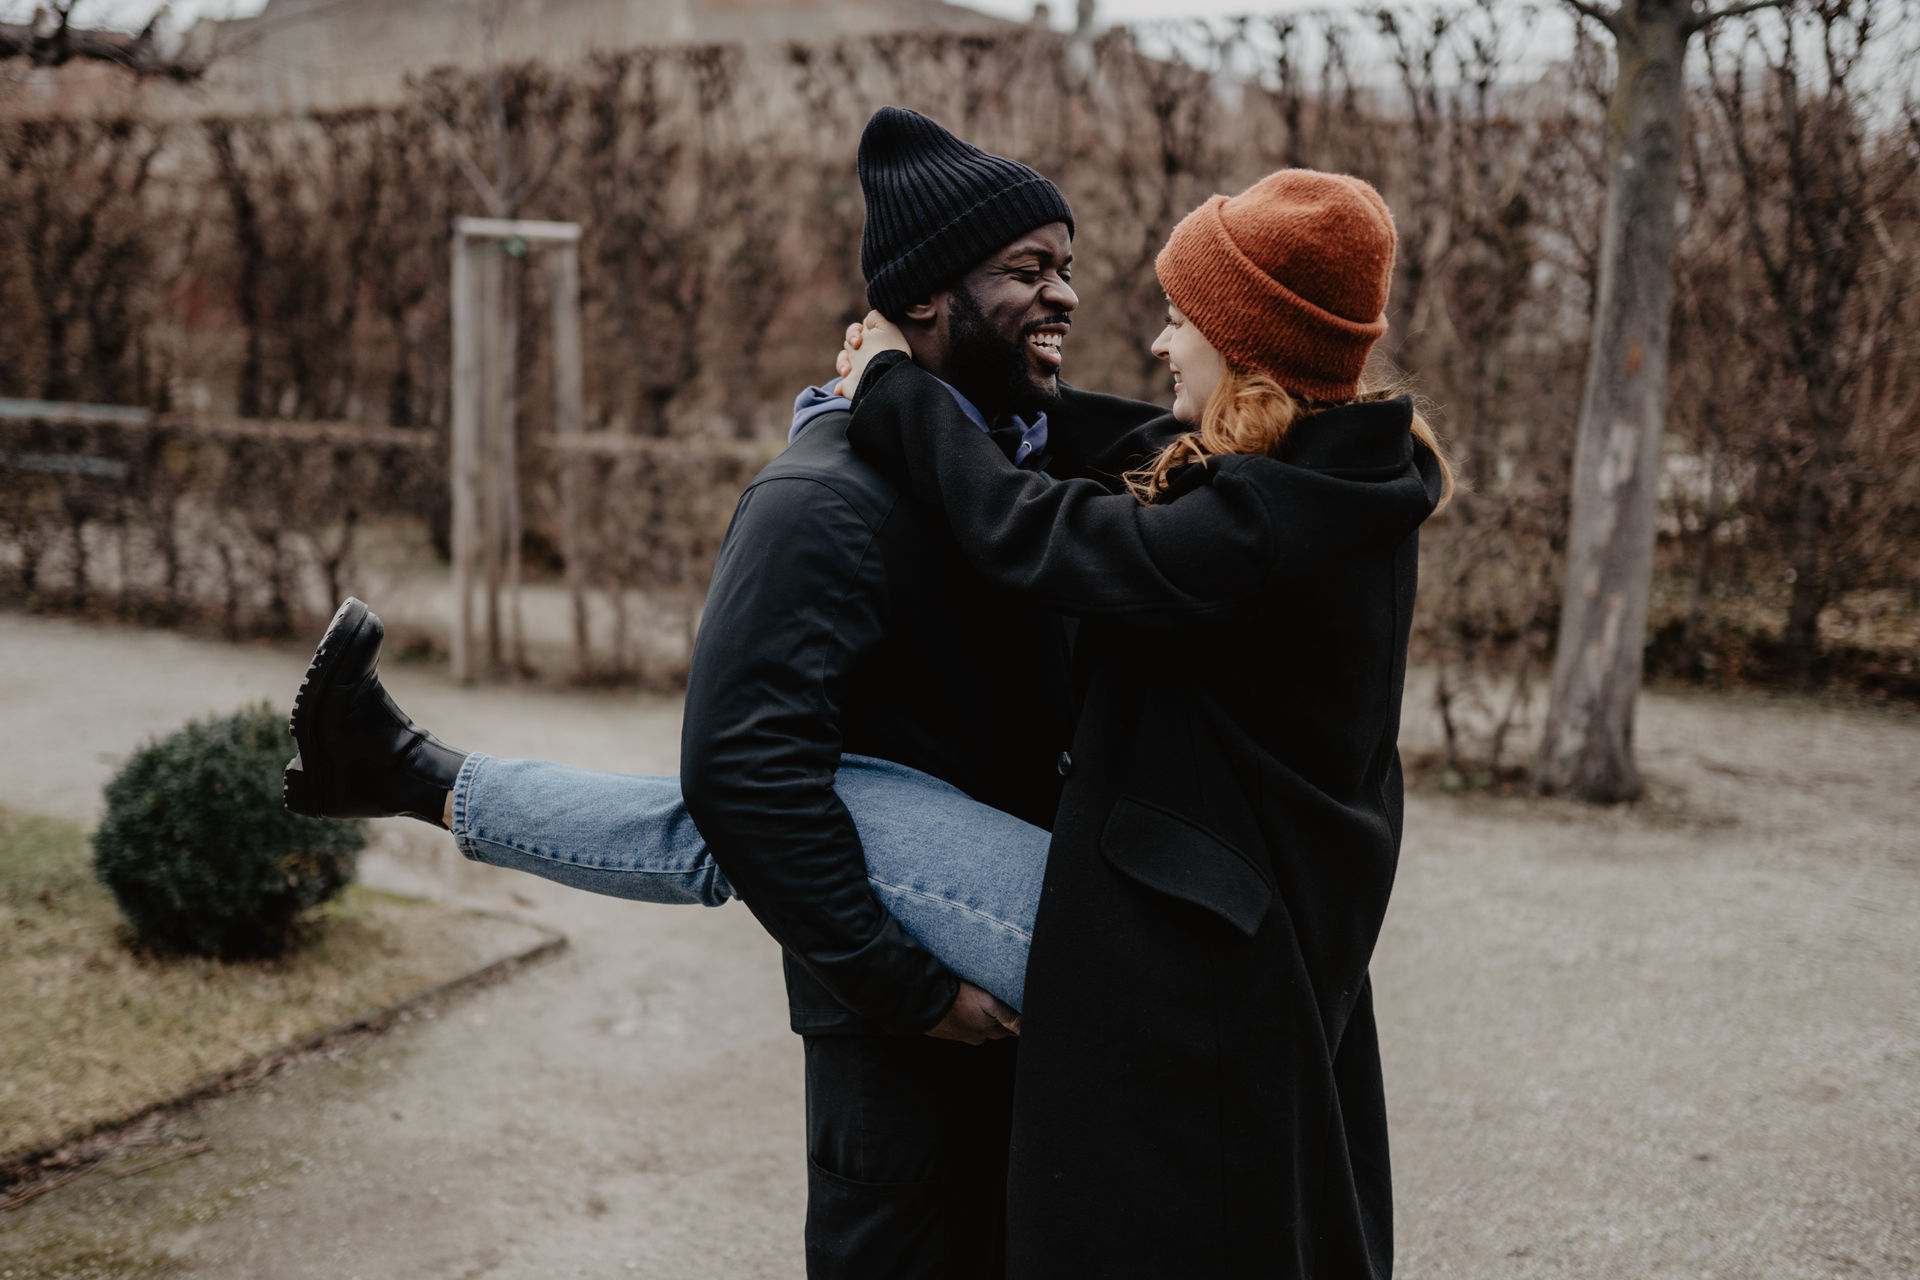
<point x="302" y="788"/>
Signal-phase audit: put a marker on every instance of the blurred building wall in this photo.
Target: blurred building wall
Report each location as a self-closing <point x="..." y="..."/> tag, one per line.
<point x="297" y="56"/>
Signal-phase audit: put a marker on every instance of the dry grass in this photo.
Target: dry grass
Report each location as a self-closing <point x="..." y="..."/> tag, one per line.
<point x="92" y="1030"/>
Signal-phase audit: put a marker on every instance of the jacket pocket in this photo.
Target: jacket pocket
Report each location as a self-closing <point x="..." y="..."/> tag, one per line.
<point x="1171" y="855"/>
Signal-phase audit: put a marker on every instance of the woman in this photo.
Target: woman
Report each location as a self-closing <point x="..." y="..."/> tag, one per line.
<point x="1199" y="1086"/>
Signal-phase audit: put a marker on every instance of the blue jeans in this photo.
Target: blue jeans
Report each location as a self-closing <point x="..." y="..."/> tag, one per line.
<point x="960" y="876"/>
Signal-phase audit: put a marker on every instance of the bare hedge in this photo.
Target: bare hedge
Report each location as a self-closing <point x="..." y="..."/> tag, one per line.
<point x="296" y="268"/>
<point x="244" y="522"/>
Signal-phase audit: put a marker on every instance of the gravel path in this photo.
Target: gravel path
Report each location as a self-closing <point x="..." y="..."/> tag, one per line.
<point x="1675" y="1041"/>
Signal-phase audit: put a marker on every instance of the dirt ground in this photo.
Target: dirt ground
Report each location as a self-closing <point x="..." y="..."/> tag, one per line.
<point x="1680" y="1040"/>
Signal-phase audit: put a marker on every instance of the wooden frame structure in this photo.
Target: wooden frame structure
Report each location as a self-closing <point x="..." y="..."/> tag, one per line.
<point x="485" y="470"/>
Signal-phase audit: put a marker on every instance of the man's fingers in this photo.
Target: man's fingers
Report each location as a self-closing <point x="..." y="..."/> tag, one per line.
<point x="977" y="1017"/>
<point x="999" y="1020"/>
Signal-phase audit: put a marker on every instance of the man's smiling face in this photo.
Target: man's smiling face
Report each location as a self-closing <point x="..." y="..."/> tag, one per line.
<point x="1001" y="326"/>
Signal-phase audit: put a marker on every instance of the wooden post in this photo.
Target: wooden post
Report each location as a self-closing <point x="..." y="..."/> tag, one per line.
<point x="465" y="462"/>
<point x="506" y="451"/>
<point x="487" y="273"/>
<point x="485" y="471"/>
<point x="567" y="425"/>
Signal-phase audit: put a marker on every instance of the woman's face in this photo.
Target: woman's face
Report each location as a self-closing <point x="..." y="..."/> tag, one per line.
<point x="1197" y="368"/>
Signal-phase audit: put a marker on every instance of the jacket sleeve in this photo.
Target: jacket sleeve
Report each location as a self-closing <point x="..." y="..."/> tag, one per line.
<point x="797" y="600"/>
<point x="1102" y="437"/>
<point x="1069" y="544"/>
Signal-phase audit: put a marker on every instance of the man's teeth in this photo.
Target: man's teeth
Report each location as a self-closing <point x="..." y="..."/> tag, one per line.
<point x="1048" y="341"/>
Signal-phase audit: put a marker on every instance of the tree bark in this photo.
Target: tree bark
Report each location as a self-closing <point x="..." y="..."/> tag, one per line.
<point x="1810" y="582"/>
<point x="1586" y="749"/>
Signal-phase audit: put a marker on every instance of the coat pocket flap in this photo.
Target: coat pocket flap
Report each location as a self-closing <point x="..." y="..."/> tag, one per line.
<point x="1173" y="856"/>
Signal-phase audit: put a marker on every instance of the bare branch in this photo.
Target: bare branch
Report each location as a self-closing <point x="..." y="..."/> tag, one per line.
<point x="1708" y="17"/>
<point x="468" y="169"/>
<point x="1608" y="18"/>
<point x="54" y="45"/>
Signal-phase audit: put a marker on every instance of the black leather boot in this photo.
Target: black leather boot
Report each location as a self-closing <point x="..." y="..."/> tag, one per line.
<point x="359" y="755"/>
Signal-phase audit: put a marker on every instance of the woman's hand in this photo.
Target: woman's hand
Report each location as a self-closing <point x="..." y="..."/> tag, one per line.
<point x="863" y="342"/>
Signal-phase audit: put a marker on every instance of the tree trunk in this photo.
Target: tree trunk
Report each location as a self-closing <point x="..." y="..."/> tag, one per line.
<point x="58" y="382"/>
<point x="1586" y="749"/>
<point x="1702" y="558"/>
<point x="1810" y="581"/>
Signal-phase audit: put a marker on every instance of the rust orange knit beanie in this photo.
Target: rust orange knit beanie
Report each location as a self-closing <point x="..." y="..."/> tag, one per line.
<point x="1288" y="278"/>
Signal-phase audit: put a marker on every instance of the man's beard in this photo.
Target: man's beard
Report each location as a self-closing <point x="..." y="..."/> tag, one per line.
<point x="992" y="371"/>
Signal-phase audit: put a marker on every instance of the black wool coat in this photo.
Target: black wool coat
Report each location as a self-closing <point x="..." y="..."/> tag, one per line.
<point x="841" y="619"/>
<point x="1199" y="1086"/>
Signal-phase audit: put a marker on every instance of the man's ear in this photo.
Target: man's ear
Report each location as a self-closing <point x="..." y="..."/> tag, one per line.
<point x="924" y="311"/>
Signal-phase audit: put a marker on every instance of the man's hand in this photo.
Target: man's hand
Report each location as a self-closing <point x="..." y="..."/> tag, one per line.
<point x="976" y="1018"/>
<point x="862" y="343"/>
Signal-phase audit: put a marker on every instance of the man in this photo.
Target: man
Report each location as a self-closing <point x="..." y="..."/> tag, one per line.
<point x="840" y="620"/>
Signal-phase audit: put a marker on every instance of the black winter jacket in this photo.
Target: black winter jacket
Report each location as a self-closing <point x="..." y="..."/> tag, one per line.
<point x="1199" y="1085"/>
<point x="839" y="619"/>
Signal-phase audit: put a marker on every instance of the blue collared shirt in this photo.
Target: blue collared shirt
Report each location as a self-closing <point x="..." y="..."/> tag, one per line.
<point x="815" y="401"/>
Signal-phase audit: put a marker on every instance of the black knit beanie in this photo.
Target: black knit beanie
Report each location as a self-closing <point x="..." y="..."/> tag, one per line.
<point x="937" y="205"/>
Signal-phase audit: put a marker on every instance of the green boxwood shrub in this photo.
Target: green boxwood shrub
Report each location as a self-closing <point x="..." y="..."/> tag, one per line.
<point x="199" y="851"/>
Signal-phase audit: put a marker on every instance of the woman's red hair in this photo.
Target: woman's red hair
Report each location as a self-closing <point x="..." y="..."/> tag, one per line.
<point x="1252" y="413"/>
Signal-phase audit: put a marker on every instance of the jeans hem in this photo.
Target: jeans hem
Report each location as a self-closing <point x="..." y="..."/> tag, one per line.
<point x="462" y="787"/>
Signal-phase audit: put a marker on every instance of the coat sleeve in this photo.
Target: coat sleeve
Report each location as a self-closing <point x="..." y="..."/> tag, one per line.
<point x="797" y="600"/>
<point x="1103" y="437"/>
<point x="1069" y="544"/>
